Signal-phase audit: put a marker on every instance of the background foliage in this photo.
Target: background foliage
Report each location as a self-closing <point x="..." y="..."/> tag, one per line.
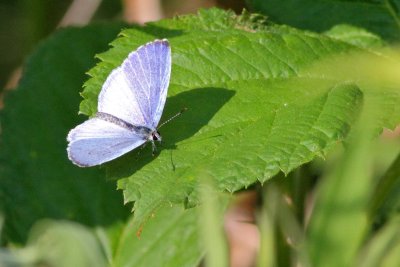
<point x="262" y="99"/>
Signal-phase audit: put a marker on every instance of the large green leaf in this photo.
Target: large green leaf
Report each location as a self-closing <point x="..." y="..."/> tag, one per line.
<point x="378" y="16"/>
<point x="36" y="178"/>
<point x="251" y="114"/>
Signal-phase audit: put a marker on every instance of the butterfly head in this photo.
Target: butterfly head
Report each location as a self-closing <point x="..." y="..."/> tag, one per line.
<point x="155" y="136"/>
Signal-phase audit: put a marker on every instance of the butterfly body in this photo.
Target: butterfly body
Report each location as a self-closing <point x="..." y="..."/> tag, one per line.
<point x="130" y="105"/>
<point x="148" y="134"/>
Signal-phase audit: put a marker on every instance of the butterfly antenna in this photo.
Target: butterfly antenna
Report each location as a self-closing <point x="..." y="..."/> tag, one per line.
<point x="173" y="117"/>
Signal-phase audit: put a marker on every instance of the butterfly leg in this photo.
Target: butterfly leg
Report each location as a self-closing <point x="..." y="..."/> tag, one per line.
<point x="154" y="148"/>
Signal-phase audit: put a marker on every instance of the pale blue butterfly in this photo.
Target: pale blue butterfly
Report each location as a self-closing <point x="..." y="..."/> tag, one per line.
<point x="129" y="108"/>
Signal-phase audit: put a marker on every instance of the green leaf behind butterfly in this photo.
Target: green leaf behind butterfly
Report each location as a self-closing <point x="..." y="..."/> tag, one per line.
<point x="36" y="178"/>
<point x="381" y="17"/>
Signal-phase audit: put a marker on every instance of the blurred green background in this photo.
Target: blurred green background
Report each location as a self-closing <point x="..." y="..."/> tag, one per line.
<point x="23" y="23"/>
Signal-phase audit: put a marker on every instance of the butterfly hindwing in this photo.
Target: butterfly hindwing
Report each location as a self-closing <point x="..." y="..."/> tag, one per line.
<point x="97" y="141"/>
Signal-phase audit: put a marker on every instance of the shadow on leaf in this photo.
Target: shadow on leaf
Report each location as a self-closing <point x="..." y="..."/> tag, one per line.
<point x="201" y="103"/>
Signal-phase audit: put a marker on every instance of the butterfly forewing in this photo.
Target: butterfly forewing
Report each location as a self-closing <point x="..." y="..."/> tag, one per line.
<point x="160" y="76"/>
<point x="136" y="91"/>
